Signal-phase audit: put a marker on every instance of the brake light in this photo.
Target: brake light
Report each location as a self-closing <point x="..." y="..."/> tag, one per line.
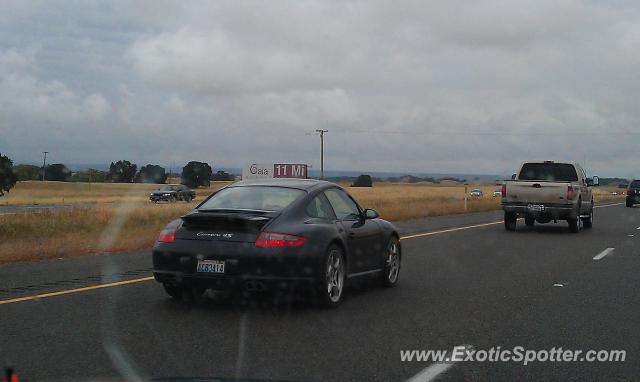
<point x="571" y="192"/>
<point x="168" y="235"/>
<point x="504" y="191"/>
<point x="278" y="240"/>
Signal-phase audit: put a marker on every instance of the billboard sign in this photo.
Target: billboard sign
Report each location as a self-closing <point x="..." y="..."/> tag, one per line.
<point x="274" y="170"/>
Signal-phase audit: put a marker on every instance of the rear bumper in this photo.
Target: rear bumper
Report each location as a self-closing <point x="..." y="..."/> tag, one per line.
<point x="549" y="212"/>
<point x="634" y="199"/>
<point x="174" y="266"/>
<point x="227" y="282"/>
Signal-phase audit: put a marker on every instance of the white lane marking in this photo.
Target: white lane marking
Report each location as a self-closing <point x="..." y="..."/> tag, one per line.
<point x="638" y="228"/>
<point x="630" y="235"/>
<point x="434" y="370"/>
<point x="604" y="253"/>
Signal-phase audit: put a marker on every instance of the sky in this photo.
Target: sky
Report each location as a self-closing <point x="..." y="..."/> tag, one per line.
<point x="403" y="86"/>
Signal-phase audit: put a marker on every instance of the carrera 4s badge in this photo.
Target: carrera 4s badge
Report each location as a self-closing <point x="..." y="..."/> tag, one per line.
<point x="215" y="235"/>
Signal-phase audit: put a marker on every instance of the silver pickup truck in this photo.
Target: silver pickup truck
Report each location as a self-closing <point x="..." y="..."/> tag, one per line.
<point x="549" y="191"/>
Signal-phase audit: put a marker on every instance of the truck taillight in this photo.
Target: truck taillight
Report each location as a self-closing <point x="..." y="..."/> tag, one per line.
<point x="278" y="240"/>
<point x="503" y="191"/>
<point x="571" y="192"/>
<point x="168" y="235"/>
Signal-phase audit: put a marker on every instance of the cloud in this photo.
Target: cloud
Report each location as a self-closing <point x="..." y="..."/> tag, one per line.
<point x="28" y="98"/>
<point x="411" y="86"/>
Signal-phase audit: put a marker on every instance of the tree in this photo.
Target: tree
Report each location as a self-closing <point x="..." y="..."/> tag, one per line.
<point x="151" y="173"/>
<point x="91" y="175"/>
<point x="363" y="181"/>
<point x="8" y="178"/>
<point x="27" y="172"/>
<point x="222" y="175"/>
<point x="196" y="174"/>
<point x="122" y="171"/>
<point x="57" y="172"/>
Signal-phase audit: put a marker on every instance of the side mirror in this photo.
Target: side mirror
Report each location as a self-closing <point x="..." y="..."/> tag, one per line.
<point x="371" y="214"/>
<point x="513" y="176"/>
<point x="595" y="181"/>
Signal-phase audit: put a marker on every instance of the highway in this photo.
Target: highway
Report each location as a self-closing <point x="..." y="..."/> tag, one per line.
<point x="464" y="281"/>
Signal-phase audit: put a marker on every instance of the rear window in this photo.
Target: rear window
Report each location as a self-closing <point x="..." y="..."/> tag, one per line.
<point x="635" y="184"/>
<point x="553" y="172"/>
<point x="262" y="198"/>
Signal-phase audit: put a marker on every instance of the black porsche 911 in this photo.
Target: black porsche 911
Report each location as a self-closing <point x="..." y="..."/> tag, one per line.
<point x="173" y="193"/>
<point x="276" y="232"/>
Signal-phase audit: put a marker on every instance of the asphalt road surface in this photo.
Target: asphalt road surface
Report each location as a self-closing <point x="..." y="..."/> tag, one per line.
<point x="464" y="281"/>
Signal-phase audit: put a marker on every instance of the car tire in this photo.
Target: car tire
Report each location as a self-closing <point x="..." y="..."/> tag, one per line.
<point x="510" y="221"/>
<point x="588" y="221"/>
<point x="574" y="225"/>
<point x="331" y="286"/>
<point x="529" y="220"/>
<point x="173" y="199"/>
<point x="393" y="260"/>
<point x="629" y="204"/>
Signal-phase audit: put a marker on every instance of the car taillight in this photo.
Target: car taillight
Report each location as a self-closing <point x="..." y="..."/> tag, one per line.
<point x="168" y="235"/>
<point x="504" y="191"/>
<point x="571" y="192"/>
<point x="278" y="240"/>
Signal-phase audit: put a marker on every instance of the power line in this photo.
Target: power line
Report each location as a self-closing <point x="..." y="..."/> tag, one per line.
<point x="491" y="133"/>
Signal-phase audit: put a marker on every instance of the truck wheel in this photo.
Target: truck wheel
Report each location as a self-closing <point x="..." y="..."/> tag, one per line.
<point x="588" y="221"/>
<point x="529" y="220"/>
<point x="629" y="204"/>
<point x="574" y="225"/>
<point x="510" y="221"/>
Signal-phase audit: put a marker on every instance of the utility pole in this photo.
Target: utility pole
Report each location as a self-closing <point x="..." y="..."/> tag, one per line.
<point x="44" y="164"/>
<point x="321" y="132"/>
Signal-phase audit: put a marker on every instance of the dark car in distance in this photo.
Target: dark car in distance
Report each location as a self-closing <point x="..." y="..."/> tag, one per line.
<point x="260" y="234"/>
<point x="173" y="193"/>
<point x="633" y="193"/>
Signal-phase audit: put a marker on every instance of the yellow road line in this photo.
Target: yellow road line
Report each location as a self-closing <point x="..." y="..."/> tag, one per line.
<point x="71" y="291"/>
<point x="449" y="230"/>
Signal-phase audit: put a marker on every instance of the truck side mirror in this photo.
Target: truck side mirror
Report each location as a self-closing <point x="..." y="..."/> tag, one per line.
<point x="513" y="176"/>
<point x="595" y="181"/>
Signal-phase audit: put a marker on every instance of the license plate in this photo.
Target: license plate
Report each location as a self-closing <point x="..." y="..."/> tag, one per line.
<point x="210" y="266"/>
<point x="535" y="207"/>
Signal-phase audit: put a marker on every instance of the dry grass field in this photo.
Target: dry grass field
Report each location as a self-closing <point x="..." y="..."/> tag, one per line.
<point x="48" y="193"/>
<point x="121" y="219"/>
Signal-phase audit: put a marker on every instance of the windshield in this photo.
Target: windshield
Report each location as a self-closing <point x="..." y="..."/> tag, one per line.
<point x="168" y="188"/>
<point x="262" y="198"/>
<point x="635" y="184"/>
<point x="559" y="172"/>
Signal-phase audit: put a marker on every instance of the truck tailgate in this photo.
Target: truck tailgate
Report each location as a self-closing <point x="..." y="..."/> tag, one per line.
<point x="535" y="192"/>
